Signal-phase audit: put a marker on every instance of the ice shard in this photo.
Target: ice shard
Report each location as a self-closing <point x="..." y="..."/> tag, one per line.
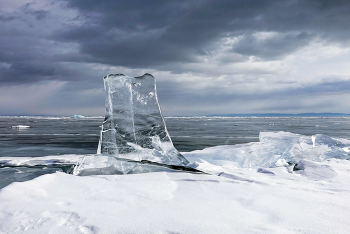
<point x="133" y="131"/>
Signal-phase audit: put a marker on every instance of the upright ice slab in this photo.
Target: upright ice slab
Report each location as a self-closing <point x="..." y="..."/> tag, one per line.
<point x="133" y="130"/>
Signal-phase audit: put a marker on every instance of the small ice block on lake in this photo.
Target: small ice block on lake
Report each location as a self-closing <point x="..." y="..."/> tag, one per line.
<point x="134" y="129"/>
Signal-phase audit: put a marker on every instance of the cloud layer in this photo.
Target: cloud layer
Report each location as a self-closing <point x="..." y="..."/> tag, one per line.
<point x="209" y="57"/>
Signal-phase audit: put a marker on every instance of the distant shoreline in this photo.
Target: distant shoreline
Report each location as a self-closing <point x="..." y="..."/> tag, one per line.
<point x="201" y="116"/>
<point x="284" y="115"/>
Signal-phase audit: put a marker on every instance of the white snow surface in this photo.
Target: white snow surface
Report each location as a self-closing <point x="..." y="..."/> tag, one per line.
<point x="231" y="198"/>
<point x="240" y="200"/>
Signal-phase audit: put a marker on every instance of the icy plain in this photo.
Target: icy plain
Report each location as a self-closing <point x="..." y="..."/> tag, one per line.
<point x="240" y="200"/>
<point x="231" y="199"/>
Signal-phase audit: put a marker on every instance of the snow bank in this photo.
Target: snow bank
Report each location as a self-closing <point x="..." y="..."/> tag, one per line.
<point x="249" y="188"/>
<point x="240" y="200"/>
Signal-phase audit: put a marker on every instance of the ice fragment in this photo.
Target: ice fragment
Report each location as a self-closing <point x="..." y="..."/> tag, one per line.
<point x="134" y="129"/>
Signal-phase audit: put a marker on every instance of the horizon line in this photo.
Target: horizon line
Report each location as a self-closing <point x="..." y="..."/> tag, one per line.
<point x="320" y="114"/>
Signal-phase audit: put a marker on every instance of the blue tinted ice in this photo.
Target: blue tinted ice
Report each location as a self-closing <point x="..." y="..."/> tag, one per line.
<point x="134" y="129"/>
<point x="276" y="149"/>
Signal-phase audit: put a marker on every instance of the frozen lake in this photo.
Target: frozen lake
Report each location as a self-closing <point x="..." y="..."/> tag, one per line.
<point x="236" y="195"/>
<point x="58" y="136"/>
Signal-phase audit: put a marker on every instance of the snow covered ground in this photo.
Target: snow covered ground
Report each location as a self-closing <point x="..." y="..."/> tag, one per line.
<point x="229" y="199"/>
<point x="240" y="200"/>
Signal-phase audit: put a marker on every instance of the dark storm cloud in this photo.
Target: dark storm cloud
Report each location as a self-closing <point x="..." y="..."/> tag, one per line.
<point x="272" y="48"/>
<point x="38" y="14"/>
<point x="168" y="92"/>
<point x="6" y="18"/>
<point x="32" y="69"/>
<point x="43" y="44"/>
<point x="26" y="73"/>
<point x="142" y="34"/>
<point x="163" y="34"/>
<point x="120" y="48"/>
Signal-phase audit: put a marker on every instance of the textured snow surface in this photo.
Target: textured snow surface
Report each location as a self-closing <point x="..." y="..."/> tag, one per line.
<point x="250" y="188"/>
<point x="314" y="199"/>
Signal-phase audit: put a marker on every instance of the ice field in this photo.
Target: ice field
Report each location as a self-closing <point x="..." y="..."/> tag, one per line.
<point x="314" y="199"/>
<point x="234" y="197"/>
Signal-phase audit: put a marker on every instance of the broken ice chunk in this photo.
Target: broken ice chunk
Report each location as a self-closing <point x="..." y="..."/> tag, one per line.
<point x="134" y="128"/>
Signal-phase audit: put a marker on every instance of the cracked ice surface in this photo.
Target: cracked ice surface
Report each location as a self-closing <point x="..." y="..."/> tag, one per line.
<point x="133" y="130"/>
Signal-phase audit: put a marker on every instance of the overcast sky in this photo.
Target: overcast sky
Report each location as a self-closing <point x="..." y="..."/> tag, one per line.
<point x="208" y="57"/>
